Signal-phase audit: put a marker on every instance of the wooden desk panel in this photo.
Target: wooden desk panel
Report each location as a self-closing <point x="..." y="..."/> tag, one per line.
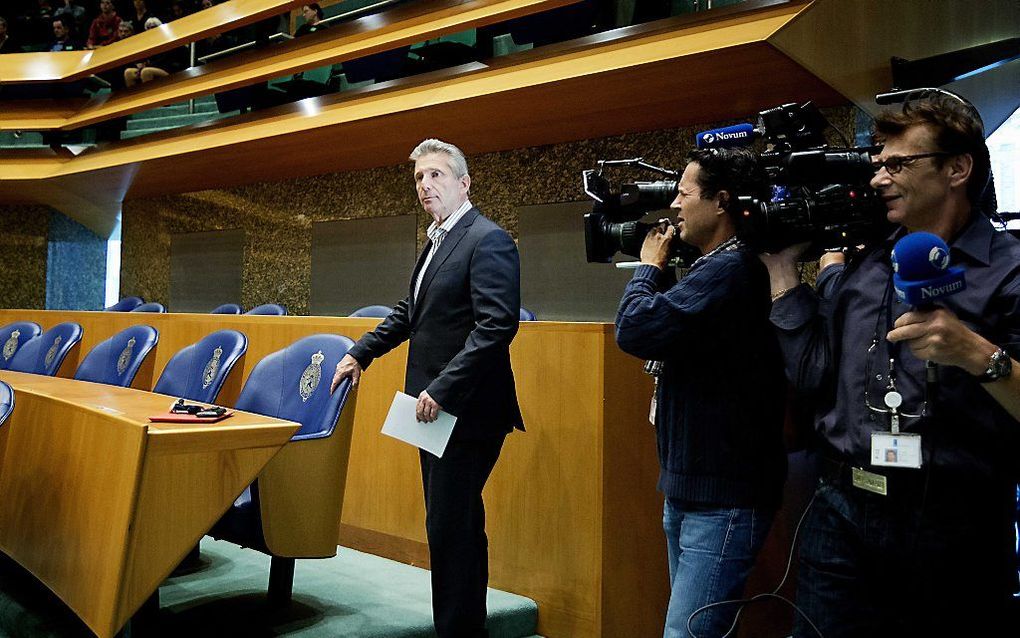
<point x="573" y="517"/>
<point x="99" y="504"/>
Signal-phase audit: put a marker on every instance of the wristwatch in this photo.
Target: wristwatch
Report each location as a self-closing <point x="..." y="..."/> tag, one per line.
<point x="999" y="367"/>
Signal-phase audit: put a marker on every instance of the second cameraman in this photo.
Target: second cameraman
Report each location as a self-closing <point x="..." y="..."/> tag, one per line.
<point x="720" y="391"/>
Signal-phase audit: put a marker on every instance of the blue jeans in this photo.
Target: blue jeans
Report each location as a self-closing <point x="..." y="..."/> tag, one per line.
<point x="931" y="561"/>
<point x="711" y="550"/>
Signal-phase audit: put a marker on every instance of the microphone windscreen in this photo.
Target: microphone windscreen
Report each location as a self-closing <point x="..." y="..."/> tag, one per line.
<point x="919" y="256"/>
<point x="726" y="137"/>
<point x="922" y="271"/>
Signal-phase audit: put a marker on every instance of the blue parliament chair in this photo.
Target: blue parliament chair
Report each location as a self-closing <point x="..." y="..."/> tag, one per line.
<point x="292" y="510"/>
<point x="197" y="372"/>
<point x="127" y="304"/>
<point x="117" y="360"/>
<point x="526" y="315"/>
<point x="226" y="309"/>
<point x="44" y="354"/>
<point x="372" y="311"/>
<point x="267" y="309"/>
<point x="152" y="306"/>
<point x="6" y="401"/>
<point x="13" y="336"/>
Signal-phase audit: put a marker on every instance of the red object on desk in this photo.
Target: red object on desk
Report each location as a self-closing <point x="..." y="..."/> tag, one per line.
<point x="170" y="417"/>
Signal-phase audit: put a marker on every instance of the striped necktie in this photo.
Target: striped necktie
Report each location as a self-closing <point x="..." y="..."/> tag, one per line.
<point x="437" y="236"/>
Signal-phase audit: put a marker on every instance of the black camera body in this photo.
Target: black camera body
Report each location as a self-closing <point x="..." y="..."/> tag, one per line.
<point x="820" y="194"/>
<point x="612" y="226"/>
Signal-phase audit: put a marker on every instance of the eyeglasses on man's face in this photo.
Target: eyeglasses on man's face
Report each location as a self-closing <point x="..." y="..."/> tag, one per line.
<point x="895" y="163"/>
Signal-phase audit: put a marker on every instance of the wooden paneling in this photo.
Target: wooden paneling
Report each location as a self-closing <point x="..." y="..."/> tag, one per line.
<point x="572" y="513"/>
<point x="99" y="504"/>
<point x="910" y="29"/>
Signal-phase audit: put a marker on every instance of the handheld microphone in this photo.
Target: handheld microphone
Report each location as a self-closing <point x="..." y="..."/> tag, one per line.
<point x="922" y="274"/>
<point x="728" y="136"/>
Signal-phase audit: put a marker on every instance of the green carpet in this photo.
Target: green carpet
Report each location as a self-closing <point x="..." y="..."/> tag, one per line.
<point x="354" y="594"/>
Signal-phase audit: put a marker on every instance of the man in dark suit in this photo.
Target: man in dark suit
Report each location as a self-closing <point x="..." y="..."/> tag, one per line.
<point x="460" y="315"/>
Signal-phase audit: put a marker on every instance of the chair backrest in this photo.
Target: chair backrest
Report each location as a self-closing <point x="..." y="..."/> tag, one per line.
<point x="227" y="309"/>
<point x="372" y="311"/>
<point x="293" y="384"/>
<point x="305" y="481"/>
<point x="526" y="315"/>
<point x="13" y="336"/>
<point x="6" y="401"/>
<point x="45" y="353"/>
<point x="116" y="360"/>
<point x="126" y="304"/>
<point x="152" y="306"/>
<point x="198" y="371"/>
<point x="267" y="309"/>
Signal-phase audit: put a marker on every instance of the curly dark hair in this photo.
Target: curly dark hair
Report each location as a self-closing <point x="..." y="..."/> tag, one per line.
<point x="736" y="171"/>
<point x="957" y="129"/>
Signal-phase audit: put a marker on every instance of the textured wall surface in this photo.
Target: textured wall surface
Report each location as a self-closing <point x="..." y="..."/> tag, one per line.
<point x="277" y="216"/>
<point x="75" y="266"/>
<point x="23" y="231"/>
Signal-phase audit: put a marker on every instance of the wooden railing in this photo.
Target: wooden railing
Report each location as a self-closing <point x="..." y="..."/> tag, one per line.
<point x="65" y="66"/>
<point x="401" y="26"/>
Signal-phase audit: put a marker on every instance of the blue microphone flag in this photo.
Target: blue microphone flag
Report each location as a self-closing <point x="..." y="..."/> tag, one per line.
<point x="727" y="137"/>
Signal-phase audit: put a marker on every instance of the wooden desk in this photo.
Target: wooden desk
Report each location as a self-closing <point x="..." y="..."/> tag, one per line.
<point x="573" y="518"/>
<point x="101" y="505"/>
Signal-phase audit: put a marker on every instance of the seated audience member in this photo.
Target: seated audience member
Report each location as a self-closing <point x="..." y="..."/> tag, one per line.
<point x="63" y="39"/>
<point x="104" y="28"/>
<point x="74" y="12"/>
<point x="313" y="14"/>
<point x="158" y="66"/>
<point x="178" y="10"/>
<point x="5" y="40"/>
<point x="140" y="16"/>
<point x="208" y="3"/>
<point x="125" y="30"/>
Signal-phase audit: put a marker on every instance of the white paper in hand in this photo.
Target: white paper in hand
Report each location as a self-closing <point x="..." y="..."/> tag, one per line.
<point x="401" y="423"/>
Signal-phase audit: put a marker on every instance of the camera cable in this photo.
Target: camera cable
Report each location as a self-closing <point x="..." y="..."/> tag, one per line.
<point x="774" y="594"/>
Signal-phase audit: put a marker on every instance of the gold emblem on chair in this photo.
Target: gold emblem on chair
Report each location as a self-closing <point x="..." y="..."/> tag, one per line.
<point x="51" y="354"/>
<point x="311" y="376"/>
<point x="211" y="368"/>
<point x="12" y="345"/>
<point x="125" y="356"/>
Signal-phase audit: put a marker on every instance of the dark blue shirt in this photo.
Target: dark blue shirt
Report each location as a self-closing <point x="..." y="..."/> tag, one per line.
<point x="719" y="421"/>
<point x="826" y="336"/>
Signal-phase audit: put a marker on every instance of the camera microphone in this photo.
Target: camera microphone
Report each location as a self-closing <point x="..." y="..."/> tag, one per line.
<point x="922" y="273"/>
<point x="728" y="136"/>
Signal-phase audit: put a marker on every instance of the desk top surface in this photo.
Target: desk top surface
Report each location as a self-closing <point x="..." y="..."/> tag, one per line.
<point x="126" y="404"/>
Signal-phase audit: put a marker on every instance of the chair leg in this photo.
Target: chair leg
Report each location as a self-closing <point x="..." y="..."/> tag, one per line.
<point x="281" y="580"/>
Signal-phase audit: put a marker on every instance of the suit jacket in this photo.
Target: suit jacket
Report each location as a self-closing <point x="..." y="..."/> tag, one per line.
<point x="460" y="328"/>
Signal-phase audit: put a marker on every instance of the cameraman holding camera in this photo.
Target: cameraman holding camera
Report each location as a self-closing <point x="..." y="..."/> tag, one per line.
<point x="720" y="391"/>
<point x="889" y="548"/>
